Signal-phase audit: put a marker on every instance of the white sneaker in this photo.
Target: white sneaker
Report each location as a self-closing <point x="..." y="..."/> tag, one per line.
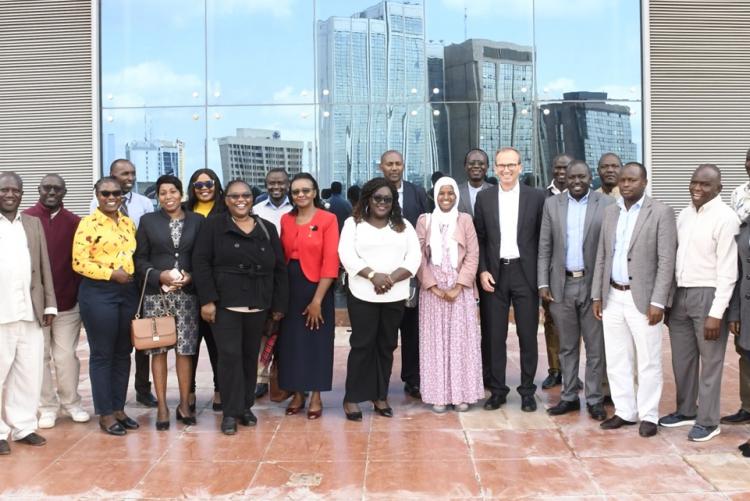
<point x="462" y="407"/>
<point x="77" y="414"/>
<point x="47" y="419"/>
<point x="439" y="408"/>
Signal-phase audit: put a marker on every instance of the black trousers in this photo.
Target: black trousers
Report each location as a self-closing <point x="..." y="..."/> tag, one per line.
<point x="511" y="288"/>
<point x="374" y="338"/>
<point x="205" y="333"/>
<point x="410" y="346"/>
<point x="484" y="318"/>
<point x="142" y="371"/>
<point x="237" y="337"/>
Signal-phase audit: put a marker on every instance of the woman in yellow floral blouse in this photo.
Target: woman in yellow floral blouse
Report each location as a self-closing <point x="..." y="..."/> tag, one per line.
<point x="103" y="250"/>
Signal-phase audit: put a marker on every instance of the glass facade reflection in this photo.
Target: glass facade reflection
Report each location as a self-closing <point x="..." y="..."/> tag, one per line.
<point x="327" y="86"/>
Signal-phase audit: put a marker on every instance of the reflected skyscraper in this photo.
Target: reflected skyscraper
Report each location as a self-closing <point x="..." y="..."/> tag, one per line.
<point x="585" y="126"/>
<point x="494" y="83"/>
<point x="371" y="80"/>
<point x="153" y="158"/>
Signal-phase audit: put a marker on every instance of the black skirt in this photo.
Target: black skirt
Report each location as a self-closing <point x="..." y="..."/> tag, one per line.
<point x="305" y="355"/>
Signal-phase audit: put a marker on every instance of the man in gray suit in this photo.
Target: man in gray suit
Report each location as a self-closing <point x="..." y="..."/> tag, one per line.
<point x="568" y="242"/>
<point x="476" y="164"/>
<point x="705" y="271"/>
<point x="632" y="282"/>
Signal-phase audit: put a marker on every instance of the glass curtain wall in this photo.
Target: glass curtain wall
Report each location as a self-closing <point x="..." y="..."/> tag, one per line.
<point x="327" y="86"/>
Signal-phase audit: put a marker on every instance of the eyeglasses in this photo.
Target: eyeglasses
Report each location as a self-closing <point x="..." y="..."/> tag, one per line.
<point x="236" y="196"/>
<point x="107" y="194"/>
<point x="51" y="187"/>
<point x="303" y="191"/>
<point x="506" y="166"/>
<point x="379" y="199"/>
<point x="199" y="185"/>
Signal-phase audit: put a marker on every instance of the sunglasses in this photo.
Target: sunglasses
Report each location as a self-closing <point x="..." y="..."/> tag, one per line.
<point x="301" y="191"/>
<point x="107" y="194"/>
<point x="199" y="185"/>
<point x="379" y="199"/>
<point x="236" y="196"/>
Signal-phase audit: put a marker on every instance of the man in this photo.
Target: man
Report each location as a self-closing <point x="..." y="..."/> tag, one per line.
<point x="134" y="205"/>
<point x="631" y="287"/>
<point x="271" y="208"/>
<point x="28" y="305"/>
<point x="609" y="169"/>
<point x="60" y="338"/>
<point x="740" y="202"/>
<point x="551" y="333"/>
<point x="277" y="203"/>
<point x="568" y="242"/>
<point x="706" y="272"/>
<point x="507" y="219"/>
<point x="476" y="163"/>
<point x="338" y="204"/>
<point x="413" y="202"/>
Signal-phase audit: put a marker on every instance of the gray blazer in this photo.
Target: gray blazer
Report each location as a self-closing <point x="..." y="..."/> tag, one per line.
<point x="464" y="202"/>
<point x="739" y="306"/>
<point x="553" y="240"/>
<point x="651" y="255"/>
<point x="42" y="287"/>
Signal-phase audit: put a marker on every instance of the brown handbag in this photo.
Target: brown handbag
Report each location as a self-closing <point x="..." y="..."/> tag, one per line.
<point x="154" y="332"/>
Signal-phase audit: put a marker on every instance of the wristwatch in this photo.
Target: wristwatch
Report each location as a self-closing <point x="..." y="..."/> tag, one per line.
<point x="370" y="275"/>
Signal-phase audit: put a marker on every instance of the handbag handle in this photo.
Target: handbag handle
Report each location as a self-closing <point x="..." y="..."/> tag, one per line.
<point x="143" y="294"/>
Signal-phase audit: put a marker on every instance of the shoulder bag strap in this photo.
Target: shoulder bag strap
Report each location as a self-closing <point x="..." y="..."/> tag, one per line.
<point x="143" y="293"/>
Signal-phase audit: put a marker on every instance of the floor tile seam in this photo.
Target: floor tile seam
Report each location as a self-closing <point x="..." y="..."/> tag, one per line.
<point x="367" y="459"/>
<point x="477" y="476"/>
<point x="577" y="457"/>
<point x="704" y="477"/>
<point x="262" y="456"/>
<point x="60" y="456"/>
<point x="181" y="434"/>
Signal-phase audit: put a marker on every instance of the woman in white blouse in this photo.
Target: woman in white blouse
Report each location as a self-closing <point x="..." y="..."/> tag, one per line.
<point x="380" y="252"/>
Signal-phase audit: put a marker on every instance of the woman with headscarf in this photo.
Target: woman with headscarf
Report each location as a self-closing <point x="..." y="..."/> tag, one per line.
<point x="450" y="361"/>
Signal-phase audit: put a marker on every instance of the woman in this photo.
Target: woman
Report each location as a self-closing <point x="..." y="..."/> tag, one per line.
<point x="310" y="238"/>
<point x="380" y="252"/>
<point x="450" y="360"/>
<point x="103" y="249"/>
<point x="205" y="197"/>
<point x="164" y="253"/>
<point x="240" y="275"/>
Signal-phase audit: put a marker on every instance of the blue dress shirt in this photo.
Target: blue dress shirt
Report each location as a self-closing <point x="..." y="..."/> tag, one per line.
<point x="574" y="233"/>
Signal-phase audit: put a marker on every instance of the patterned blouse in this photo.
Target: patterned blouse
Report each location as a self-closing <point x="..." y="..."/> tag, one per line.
<point x="101" y="246"/>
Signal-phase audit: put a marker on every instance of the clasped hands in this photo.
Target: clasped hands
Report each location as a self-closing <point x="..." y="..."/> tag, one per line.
<point x="449" y="295"/>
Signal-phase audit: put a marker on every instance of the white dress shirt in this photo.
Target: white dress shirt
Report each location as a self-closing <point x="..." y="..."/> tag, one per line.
<point x="508" y="207"/>
<point x="136" y="205"/>
<point x="270" y="212"/>
<point x="625" y="226"/>
<point x="473" y="195"/>
<point x="15" y="268"/>
<point x="707" y="251"/>
<point x="383" y="250"/>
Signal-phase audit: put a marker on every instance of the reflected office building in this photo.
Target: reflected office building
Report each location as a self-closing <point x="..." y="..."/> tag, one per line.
<point x="154" y="158"/>
<point x="252" y="152"/>
<point x="371" y="77"/>
<point x="498" y="78"/>
<point x="586" y="127"/>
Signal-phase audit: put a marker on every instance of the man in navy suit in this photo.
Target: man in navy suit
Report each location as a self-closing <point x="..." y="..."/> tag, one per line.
<point x="413" y="201"/>
<point x="508" y="218"/>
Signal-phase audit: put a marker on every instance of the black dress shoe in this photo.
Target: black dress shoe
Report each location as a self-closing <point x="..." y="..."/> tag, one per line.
<point x="494" y="402"/>
<point x="528" y="403"/>
<point x="114" y="429"/>
<point x="146" y="399"/>
<point x="739" y="417"/>
<point x="597" y="411"/>
<point x="744" y="446"/>
<point x="4" y="448"/>
<point x="186" y="420"/>
<point x="564" y="406"/>
<point x="647" y="429"/>
<point x="33" y="439"/>
<point x="383" y="411"/>
<point x="229" y="425"/>
<point x="128" y="423"/>
<point x="261" y="389"/>
<point x="412" y="390"/>
<point x="552" y="380"/>
<point x="353" y="416"/>
<point x="248" y="418"/>
<point x="615" y="422"/>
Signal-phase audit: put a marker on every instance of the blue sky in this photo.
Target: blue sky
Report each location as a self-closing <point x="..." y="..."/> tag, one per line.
<point x="260" y="55"/>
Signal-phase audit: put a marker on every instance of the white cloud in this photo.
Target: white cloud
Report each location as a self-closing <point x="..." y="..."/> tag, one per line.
<point x="276" y="8"/>
<point x="542" y="8"/>
<point x="290" y="95"/>
<point x="150" y="83"/>
<point x="556" y="88"/>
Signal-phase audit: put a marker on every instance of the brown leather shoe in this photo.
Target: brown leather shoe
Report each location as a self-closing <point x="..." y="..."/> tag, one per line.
<point x="4" y="448"/>
<point x="614" y="422"/>
<point x="647" y="429"/>
<point x="33" y="439"/>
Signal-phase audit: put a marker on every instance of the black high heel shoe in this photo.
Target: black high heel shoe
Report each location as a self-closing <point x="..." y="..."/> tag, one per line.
<point x="352" y="416"/>
<point x="187" y="420"/>
<point x="162" y="425"/>
<point x="384" y="411"/>
<point x="114" y="429"/>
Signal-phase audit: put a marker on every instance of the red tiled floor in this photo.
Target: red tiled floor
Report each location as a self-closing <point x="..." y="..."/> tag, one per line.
<point x="78" y="476"/>
<point x="517" y="478"/>
<point x="442" y="478"/>
<point x="203" y="479"/>
<point x="307" y="479"/>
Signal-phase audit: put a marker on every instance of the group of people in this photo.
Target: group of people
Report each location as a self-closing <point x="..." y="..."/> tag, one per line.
<point x="256" y="282"/>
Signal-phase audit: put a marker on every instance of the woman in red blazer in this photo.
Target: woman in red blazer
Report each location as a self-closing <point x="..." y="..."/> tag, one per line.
<point x="310" y="238"/>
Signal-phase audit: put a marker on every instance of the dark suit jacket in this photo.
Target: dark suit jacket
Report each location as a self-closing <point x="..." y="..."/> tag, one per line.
<point x="42" y="285"/>
<point x="739" y="306"/>
<point x="415" y="202"/>
<point x="464" y="202"/>
<point x="487" y="223"/>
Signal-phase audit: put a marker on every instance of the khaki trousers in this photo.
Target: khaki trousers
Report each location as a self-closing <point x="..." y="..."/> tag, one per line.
<point x="60" y="344"/>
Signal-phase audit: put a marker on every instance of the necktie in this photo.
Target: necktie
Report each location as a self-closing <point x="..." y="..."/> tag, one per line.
<point x="124" y="207"/>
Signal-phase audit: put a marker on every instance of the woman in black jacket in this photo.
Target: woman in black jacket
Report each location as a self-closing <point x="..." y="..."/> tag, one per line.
<point x="240" y="274"/>
<point x="163" y="257"/>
